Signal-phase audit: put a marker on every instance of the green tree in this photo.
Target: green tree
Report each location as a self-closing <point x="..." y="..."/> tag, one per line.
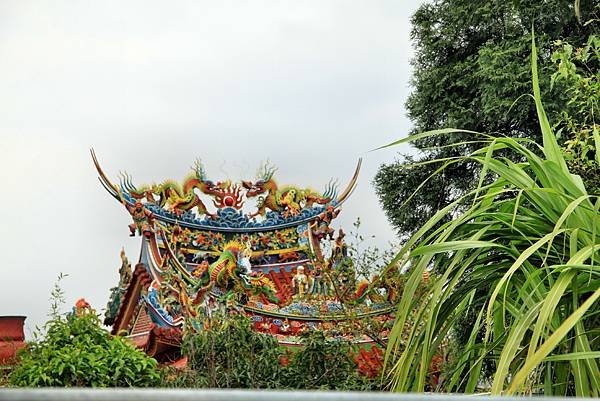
<point x="579" y="125"/>
<point x="470" y="66"/>
<point x="77" y="352"/>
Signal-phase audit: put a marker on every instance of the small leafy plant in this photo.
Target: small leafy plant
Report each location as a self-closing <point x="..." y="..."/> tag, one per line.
<point x="77" y="352"/>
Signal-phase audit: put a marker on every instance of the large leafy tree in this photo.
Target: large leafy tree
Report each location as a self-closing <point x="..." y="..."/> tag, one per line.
<point x="579" y="124"/>
<point x="471" y="71"/>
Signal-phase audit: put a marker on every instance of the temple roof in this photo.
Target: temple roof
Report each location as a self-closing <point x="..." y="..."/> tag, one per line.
<point x="185" y="203"/>
<point x="202" y="253"/>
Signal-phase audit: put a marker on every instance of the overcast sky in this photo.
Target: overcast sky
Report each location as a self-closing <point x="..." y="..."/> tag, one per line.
<point x="310" y="85"/>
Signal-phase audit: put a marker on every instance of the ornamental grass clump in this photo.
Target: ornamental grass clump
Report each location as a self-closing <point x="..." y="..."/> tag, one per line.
<point x="523" y="260"/>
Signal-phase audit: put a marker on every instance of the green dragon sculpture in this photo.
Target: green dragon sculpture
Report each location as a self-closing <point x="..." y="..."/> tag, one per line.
<point x="288" y="200"/>
<point x="182" y="197"/>
<point x="231" y="274"/>
<point x="228" y="274"/>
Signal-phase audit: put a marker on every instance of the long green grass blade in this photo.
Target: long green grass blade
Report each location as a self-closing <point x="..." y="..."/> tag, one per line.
<point x="437" y="132"/>
<point x="551" y="343"/>
<point x="515" y="337"/>
<point x="573" y="356"/>
<point x="551" y="148"/>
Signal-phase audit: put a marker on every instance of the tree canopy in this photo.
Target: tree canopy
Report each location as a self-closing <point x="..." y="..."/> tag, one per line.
<point x="579" y="69"/>
<point x="472" y="71"/>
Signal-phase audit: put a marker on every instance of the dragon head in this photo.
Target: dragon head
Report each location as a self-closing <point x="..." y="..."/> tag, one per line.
<point x="254" y="188"/>
<point x="199" y="178"/>
<point x="264" y="182"/>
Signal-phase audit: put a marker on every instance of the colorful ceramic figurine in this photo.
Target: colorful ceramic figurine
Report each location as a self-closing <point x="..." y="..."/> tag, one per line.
<point x="142" y="219"/>
<point x="285" y="326"/>
<point x="288" y="200"/>
<point x="244" y="260"/>
<point x="82" y="308"/>
<point x="319" y="288"/>
<point x="321" y="226"/>
<point x="300" y="283"/>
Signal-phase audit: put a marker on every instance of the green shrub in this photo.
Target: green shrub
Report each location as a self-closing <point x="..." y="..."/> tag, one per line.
<point x="232" y="355"/>
<point x="325" y="364"/>
<point x="182" y="378"/>
<point x="76" y="351"/>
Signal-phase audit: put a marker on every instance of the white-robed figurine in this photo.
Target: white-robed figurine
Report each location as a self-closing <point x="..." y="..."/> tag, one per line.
<point x="244" y="260"/>
<point x="300" y="283"/>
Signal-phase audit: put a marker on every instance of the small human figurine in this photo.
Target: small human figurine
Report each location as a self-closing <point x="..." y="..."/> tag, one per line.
<point x="142" y="219"/>
<point x="285" y="326"/>
<point x="124" y="270"/>
<point x="176" y="236"/>
<point x="319" y="288"/>
<point x="300" y="283"/>
<point x="330" y="214"/>
<point x="340" y="245"/>
<point x="321" y="227"/>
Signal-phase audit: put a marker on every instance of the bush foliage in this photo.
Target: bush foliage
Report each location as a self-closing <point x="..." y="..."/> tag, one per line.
<point x="230" y="354"/>
<point x="77" y="352"/>
<point x="325" y="364"/>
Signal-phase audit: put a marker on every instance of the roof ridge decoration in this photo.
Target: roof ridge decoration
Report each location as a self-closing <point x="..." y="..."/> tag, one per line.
<point x="179" y="202"/>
